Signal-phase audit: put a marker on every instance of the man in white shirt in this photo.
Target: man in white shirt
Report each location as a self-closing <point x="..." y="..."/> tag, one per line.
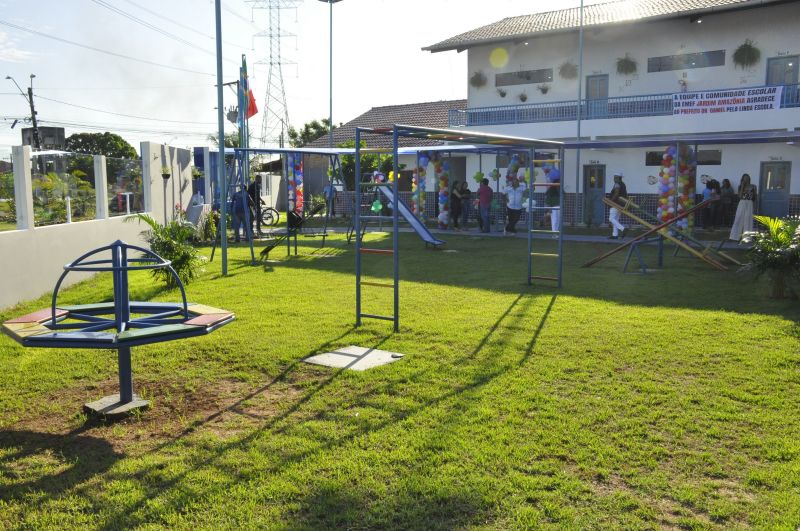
<point x="513" y="204"/>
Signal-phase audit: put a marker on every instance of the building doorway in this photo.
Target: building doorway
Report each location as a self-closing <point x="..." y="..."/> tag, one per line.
<point x="774" y="189"/>
<point x="594" y="189"/>
<point x="783" y="71"/>
<point x="597" y="96"/>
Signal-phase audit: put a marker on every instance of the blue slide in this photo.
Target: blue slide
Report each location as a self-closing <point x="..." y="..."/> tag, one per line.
<point x="421" y="230"/>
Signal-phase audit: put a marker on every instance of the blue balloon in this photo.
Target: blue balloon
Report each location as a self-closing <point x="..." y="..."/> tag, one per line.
<point x="554" y="176"/>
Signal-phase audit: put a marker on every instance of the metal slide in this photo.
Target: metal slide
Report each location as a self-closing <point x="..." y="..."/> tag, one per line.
<point x="421" y="230"/>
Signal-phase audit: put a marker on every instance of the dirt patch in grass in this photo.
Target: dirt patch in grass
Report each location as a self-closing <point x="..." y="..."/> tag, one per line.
<point x="224" y="408"/>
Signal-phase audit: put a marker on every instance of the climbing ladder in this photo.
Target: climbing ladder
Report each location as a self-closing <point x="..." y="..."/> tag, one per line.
<point x="394" y="253"/>
<point x="533" y="253"/>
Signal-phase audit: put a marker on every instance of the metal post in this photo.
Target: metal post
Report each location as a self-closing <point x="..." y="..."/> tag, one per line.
<point x="357" y="225"/>
<point x="530" y="214"/>
<point x="223" y="225"/>
<point x="330" y="78"/>
<point x="578" y="118"/>
<point x="125" y="375"/>
<point x="561" y="153"/>
<point x="36" y="142"/>
<point x="396" y="230"/>
<point x="165" y="200"/>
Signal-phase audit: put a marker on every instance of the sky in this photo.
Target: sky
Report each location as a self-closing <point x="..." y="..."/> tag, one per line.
<point x="145" y="69"/>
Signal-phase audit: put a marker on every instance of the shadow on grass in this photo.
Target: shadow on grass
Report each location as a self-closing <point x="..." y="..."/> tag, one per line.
<point x="328" y="507"/>
<point x="499" y="265"/>
<point x="62" y="461"/>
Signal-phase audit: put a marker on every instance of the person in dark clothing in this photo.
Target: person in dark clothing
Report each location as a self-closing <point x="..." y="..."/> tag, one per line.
<point x="254" y="193"/>
<point x="456" y="203"/>
<point x="618" y="192"/>
<point x="485" y="194"/>
<point x="466" y="198"/>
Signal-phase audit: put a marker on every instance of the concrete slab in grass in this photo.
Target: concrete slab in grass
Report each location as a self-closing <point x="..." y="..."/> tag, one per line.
<point x="354" y="358"/>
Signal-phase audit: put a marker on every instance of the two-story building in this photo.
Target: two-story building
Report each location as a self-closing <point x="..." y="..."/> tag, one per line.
<point x="718" y="75"/>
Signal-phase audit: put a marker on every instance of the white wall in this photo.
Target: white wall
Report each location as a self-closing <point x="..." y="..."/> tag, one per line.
<point x="774" y="30"/>
<point x="32" y="259"/>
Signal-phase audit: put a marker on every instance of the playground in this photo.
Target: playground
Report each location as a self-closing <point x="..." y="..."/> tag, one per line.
<point x="619" y="400"/>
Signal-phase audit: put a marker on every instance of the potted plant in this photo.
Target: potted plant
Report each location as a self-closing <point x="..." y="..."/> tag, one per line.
<point x="166" y="172"/>
<point x="626" y="65"/>
<point x="776" y="252"/>
<point x="501" y="92"/>
<point x="478" y="79"/>
<point x="544" y="88"/>
<point x="746" y="55"/>
<point x="568" y="70"/>
<point x="522" y="97"/>
<point x="196" y="173"/>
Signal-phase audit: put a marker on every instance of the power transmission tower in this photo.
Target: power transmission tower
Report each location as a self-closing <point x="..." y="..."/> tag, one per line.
<point x="276" y="113"/>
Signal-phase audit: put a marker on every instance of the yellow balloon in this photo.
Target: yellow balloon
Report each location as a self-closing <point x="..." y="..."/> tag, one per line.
<point x="498" y="58"/>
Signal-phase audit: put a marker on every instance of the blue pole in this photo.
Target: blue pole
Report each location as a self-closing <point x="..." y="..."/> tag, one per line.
<point x="223" y="228"/>
<point x="530" y="214"/>
<point x="561" y="153"/>
<point x="357" y="225"/>
<point x="396" y="230"/>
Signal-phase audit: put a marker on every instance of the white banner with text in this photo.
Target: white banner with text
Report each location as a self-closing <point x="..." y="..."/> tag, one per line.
<point x="733" y="100"/>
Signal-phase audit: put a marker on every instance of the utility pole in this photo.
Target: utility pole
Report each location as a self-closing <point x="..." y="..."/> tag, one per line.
<point x="36" y="142"/>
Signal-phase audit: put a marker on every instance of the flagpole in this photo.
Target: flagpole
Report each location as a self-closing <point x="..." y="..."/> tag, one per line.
<point x="221" y="181"/>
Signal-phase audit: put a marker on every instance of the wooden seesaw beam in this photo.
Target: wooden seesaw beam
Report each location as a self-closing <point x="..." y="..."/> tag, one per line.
<point x="661" y="229"/>
<point x="683" y="234"/>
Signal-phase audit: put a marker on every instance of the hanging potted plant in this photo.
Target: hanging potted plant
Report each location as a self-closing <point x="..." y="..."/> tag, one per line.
<point x="522" y="97"/>
<point x="196" y="174"/>
<point x="166" y="172"/>
<point x="501" y="92"/>
<point x="478" y="79"/>
<point x="544" y="88"/>
<point x="746" y="55"/>
<point x="626" y="65"/>
<point x="568" y="70"/>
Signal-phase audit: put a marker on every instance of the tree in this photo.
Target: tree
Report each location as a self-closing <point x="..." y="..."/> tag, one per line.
<point x="107" y="144"/>
<point x="369" y="163"/>
<point x="311" y="131"/>
<point x="231" y="139"/>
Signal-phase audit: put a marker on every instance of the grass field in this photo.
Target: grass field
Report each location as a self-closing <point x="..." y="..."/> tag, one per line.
<point x="636" y="401"/>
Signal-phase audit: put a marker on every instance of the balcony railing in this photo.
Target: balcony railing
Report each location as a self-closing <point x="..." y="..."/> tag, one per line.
<point x="559" y="111"/>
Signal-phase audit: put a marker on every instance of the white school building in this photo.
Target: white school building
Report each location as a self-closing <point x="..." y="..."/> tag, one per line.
<point x="719" y="75"/>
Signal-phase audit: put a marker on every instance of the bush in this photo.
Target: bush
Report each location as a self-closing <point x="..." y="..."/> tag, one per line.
<point x="776" y="252"/>
<point x="173" y="242"/>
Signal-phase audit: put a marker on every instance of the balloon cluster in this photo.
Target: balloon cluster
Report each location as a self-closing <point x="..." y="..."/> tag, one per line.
<point x="495" y="174"/>
<point x="442" y="172"/>
<point x="418" y="184"/>
<point x="378" y="177"/>
<point x="513" y="168"/>
<point x="685" y="188"/>
<point x="676" y="183"/>
<point x="551" y="173"/>
<point x="478" y="177"/>
<point x="294" y="182"/>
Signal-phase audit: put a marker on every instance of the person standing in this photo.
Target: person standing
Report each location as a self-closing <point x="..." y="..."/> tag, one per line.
<point x="466" y="198"/>
<point x="618" y="192"/>
<point x="743" y="221"/>
<point x="485" y="204"/>
<point x="552" y="199"/>
<point x="727" y="194"/>
<point x="240" y="211"/>
<point x="456" y="203"/>
<point x="707" y="208"/>
<point x="513" y="204"/>
<point x="329" y="191"/>
<point x="254" y="191"/>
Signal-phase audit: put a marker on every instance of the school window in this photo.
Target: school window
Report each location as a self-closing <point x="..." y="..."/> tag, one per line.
<point x="523" y="77"/>
<point x="705" y="157"/>
<point x="686" y="61"/>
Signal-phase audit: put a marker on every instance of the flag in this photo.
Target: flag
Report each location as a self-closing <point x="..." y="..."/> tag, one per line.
<point x="249" y="99"/>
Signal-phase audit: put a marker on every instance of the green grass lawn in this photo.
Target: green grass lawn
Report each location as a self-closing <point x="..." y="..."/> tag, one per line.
<point x="636" y="401"/>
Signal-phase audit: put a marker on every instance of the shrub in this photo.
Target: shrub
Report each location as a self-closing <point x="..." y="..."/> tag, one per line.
<point x="568" y="70"/>
<point x="746" y="54"/>
<point x="776" y="252"/>
<point x="626" y="65"/>
<point x="173" y="242"/>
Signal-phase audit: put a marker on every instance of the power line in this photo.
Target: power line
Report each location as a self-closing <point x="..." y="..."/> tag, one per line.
<point x="100" y="127"/>
<point x="181" y="24"/>
<point x="73" y="43"/>
<point x="148" y="25"/>
<point x="130" y="87"/>
<point x="123" y="115"/>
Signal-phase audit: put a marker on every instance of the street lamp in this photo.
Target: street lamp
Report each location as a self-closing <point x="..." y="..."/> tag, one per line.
<point x="330" y="70"/>
<point x="29" y="99"/>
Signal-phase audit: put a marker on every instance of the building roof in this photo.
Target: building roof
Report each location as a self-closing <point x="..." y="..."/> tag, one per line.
<point x="563" y="20"/>
<point x="427" y="114"/>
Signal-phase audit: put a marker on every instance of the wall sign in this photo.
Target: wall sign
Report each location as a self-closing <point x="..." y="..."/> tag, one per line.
<point x="717" y="101"/>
